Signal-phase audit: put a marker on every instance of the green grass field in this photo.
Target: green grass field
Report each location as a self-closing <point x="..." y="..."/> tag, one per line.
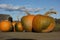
<point x="57" y="28"/>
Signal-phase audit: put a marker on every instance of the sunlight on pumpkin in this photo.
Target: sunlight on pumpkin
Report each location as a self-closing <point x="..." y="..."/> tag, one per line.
<point x="19" y="26"/>
<point x="5" y="25"/>
<point x="27" y="21"/>
<point x="40" y="22"/>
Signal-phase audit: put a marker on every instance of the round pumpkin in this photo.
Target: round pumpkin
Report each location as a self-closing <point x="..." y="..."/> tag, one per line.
<point x="19" y="27"/>
<point x="27" y="22"/>
<point x="0" y="28"/>
<point x="5" y="26"/>
<point x="43" y="23"/>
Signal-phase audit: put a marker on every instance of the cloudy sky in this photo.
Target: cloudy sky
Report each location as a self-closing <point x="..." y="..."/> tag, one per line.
<point x="16" y="8"/>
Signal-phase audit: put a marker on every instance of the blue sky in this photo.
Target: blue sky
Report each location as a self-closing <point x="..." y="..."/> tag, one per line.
<point x="15" y="4"/>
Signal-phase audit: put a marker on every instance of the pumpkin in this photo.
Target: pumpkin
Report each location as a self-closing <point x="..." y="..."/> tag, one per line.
<point x="13" y="25"/>
<point x="19" y="27"/>
<point x="0" y="28"/>
<point x="27" y="22"/>
<point x="5" y="26"/>
<point x="43" y="23"/>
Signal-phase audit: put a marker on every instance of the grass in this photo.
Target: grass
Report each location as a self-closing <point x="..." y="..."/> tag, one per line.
<point x="57" y="28"/>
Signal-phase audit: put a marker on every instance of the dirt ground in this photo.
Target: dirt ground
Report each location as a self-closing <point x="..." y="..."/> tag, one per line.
<point x="29" y="36"/>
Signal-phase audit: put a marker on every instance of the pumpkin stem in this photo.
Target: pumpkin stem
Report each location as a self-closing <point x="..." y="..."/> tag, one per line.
<point x="27" y="12"/>
<point x="47" y="13"/>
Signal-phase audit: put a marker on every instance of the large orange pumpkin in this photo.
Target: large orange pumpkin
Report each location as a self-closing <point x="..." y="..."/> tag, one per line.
<point x="5" y="26"/>
<point x="27" y="22"/>
<point x="19" y="27"/>
<point x="0" y="28"/>
<point x="43" y="23"/>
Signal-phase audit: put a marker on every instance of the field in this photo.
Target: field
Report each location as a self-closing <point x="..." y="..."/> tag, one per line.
<point x="30" y="35"/>
<point x="57" y="28"/>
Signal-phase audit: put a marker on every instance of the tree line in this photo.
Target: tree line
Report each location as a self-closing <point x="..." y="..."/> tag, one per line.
<point x="57" y="21"/>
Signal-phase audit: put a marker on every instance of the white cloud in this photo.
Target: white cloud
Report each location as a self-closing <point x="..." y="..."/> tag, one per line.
<point x="3" y="6"/>
<point x="8" y="7"/>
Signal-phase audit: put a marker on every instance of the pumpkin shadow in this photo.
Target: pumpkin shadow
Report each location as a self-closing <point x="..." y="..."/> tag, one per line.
<point x="34" y="31"/>
<point x="20" y="39"/>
